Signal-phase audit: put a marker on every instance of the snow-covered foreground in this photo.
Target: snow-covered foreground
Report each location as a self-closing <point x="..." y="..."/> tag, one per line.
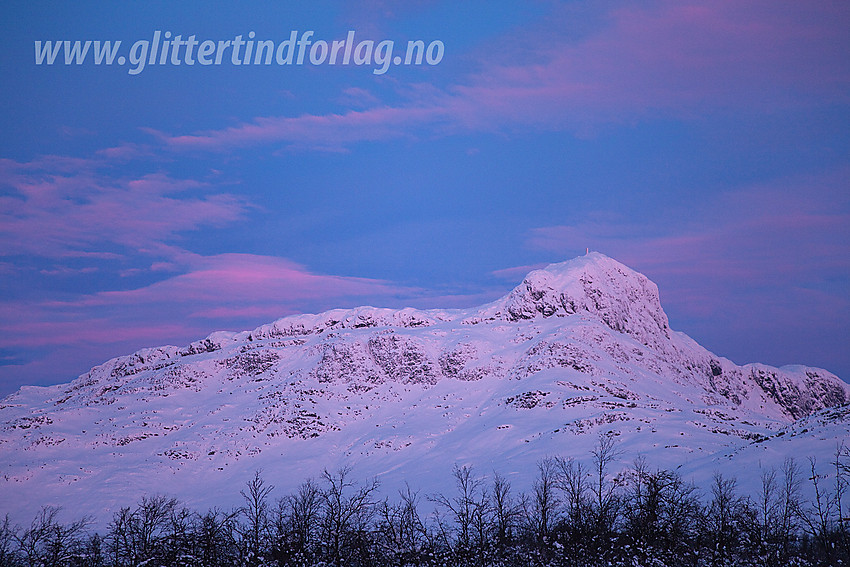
<point x="578" y="349"/>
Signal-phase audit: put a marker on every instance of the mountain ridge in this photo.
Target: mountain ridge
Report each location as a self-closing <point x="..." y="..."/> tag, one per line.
<point x="578" y="348"/>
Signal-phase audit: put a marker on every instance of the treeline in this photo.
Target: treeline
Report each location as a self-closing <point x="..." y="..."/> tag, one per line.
<point x="574" y="514"/>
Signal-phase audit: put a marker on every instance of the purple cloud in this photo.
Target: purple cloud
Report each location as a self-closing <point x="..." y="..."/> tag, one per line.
<point x="226" y="286"/>
<point x="314" y="131"/>
<point x="247" y="280"/>
<point x="668" y="59"/>
<point x="753" y="236"/>
<point x="235" y="291"/>
<point x="58" y="207"/>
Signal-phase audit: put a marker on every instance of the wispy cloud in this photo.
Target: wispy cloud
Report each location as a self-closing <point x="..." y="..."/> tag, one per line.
<point x="757" y="233"/>
<point x="668" y="59"/>
<point x="676" y="59"/>
<point x="57" y="207"/>
<point x="330" y="130"/>
<point x="208" y="284"/>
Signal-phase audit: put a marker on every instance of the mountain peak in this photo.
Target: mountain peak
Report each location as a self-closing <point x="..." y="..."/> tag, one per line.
<point x="625" y="300"/>
<point x="579" y="348"/>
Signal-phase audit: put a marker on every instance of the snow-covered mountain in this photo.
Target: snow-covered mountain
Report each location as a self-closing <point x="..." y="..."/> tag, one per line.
<point x="577" y="349"/>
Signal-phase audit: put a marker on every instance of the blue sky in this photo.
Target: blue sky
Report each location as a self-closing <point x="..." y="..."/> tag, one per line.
<point x="705" y="144"/>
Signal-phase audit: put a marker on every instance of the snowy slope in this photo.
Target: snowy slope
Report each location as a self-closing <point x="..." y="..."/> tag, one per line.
<point x="578" y="348"/>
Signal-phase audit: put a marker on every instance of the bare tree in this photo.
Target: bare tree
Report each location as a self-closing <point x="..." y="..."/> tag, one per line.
<point x="151" y="522"/>
<point x="724" y="520"/>
<point x="842" y="483"/>
<point x="822" y="517"/>
<point x="659" y="509"/>
<point x="573" y="481"/>
<point x="137" y="536"/>
<point x="820" y="510"/>
<point x="466" y="511"/>
<point x="544" y="502"/>
<point x="254" y="531"/>
<point x="603" y="490"/>
<point x="297" y="522"/>
<point x="776" y="514"/>
<point x="347" y="509"/>
<point x="213" y="533"/>
<point x="506" y="513"/>
<point x="179" y="538"/>
<point x="8" y="537"/>
<point x="49" y="542"/>
<point x="574" y="515"/>
<point x="767" y="515"/>
<point x="789" y="507"/>
<point x="119" y="538"/>
<point x="403" y="535"/>
<point x="92" y="552"/>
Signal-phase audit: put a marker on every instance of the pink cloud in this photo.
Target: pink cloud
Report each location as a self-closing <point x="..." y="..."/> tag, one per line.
<point x="60" y="207"/>
<point x="125" y="152"/>
<point x="358" y="98"/>
<point x="762" y="242"/>
<point x="89" y="331"/>
<point x="751" y="252"/>
<point x="668" y="58"/>
<point x="247" y="279"/>
<point x="331" y="130"/>
<point x="66" y="271"/>
<point x="234" y="289"/>
<point x="673" y="58"/>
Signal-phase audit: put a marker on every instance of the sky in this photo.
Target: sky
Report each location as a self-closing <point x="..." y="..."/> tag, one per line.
<point x="704" y="144"/>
